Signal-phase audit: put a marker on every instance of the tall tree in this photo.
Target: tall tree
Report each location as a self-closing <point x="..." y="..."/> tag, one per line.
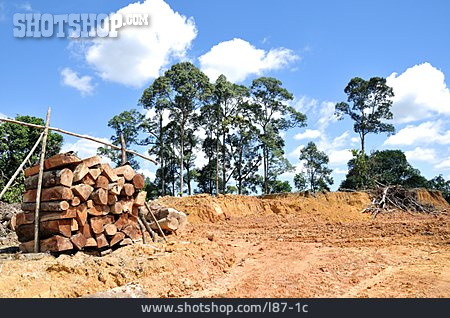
<point x="272" y="114"/>
<point x="371" y="105"/>
<point x="317" y="175"/>
<point x="183" y="88"/>
<point x="440" y="184"/>
<point x="16" y="142"/>
<point x="127" y="127"/>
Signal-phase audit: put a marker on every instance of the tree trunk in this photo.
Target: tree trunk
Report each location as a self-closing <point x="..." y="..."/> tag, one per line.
<point x="188" y="175"/>
<point x="181" y="158"/>
<point x="362" y="143"/>
<point x="161" y="155"/>
<point x="123" y="145"/>
<point x="217" y="163"/>
<point x="224" y="170"/>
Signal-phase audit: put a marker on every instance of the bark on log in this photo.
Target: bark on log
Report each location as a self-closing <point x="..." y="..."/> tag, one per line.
<point x="55" y="243"/>
<point x="47" y="229"/>
<point x="138" y="181"/>
<point x="92" y="161"/>
<point x="50" y="179"/>
<point x="57" y="161"/>
<point x="50" y="194"/>
<point x="28" y="218"/>
<point x="168" y="224"/>
<point x="83" y="191"/>
<point x="52" y="206"/>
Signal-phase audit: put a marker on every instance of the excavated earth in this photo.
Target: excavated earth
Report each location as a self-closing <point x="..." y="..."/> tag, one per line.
<point x="293" y="245"/>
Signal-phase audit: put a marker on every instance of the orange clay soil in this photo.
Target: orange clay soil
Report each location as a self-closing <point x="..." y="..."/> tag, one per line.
<point x="272" y="246"/>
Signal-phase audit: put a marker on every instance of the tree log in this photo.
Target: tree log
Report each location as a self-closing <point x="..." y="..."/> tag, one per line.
<point x="28" y="218"/>
<point x="132" y="231"/>
<point x="78" y="240"/>
<point x="74" y="225"/>
<point x="82" y="214"/>
<point x="110" y="229"/>
<point x="80" y="171"/>
<point x="116" y="208"/>
<point x="98" y="222"/>
<point x="117" y="238"/>
<point x="92" y="161"/>
<point x="91" y="242"/>
<point x="168" y="224"/>
<point x="108" y="172"/>
<point x="125" y="171"/>
<point x="95" y="173"/>
<point x="83" y="191"/>
<point x="55" y="243"/>
<point x="112" y="198"/>
<point x="102" y="182"/>
<point x="75" y="201"/>
<point x="128" y="189"/>
<point x="140" y="198"/>
<point x="126" y="241"/>
<point x="56" y="161"/>
<point x="50" y="179"/>
<point x="52" y="206"/>
<point x="114" y="188"/>
<point x="101" y="240"/>
<point x="122" y="221"/>
<point x="87" y="179"/>
<point x="100" y="196"/>
<point x="98" y="210"/>
<point x="138" y="181"/>
<point x="25" y="232"/>
<point x="49" y="194"/>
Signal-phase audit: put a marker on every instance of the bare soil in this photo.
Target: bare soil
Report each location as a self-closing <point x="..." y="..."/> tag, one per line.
<point x="275" y="246"/>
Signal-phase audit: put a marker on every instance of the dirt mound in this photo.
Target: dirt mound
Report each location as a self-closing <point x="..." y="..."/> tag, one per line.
<point x="432" y="197"/>
<point x="334" y="206"/>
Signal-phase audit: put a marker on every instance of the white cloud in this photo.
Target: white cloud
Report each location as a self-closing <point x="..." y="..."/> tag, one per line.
<point x="237" y="59"/>
<point x="340" y="157"/>
<point x="304" y="104"/>
<point x="85" y="148"/>
<point x="3" y="115"/>
<point x="421" y="154"/>
<point x="139" y="53"/>
<point x="426" y="133"/>
<point x="308" y="134"/>
<point x="326" y="114"/>
<point x="83" y="84"/>
<point x="340" y="171"/>
<point x="443" y="165"/>
<point x="420" y="92"/>
<point x="296" y="152"/>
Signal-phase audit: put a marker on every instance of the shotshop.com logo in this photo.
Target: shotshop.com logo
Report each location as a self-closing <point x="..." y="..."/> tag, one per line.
<point x="75" y="25"/>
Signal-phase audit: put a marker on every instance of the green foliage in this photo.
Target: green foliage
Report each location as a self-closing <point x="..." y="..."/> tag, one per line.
<point x="386" y="167"/>
<point x="277" y="186"/>
<point x="272" y="114"/>
<point x="16" y="142"/>
<point x="317" y="175"/>
<point x="129" y="124"/>
<point x="439" y="183"/>
<point x="371" y="105"/>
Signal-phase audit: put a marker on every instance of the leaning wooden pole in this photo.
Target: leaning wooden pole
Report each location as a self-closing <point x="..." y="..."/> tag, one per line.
<point x="62" y="131"/>
<point x="156" y="221"/>
<point x="147" y="227"/>
<point x="123" y="149"/>
<point x="20" y="168"/>
<point x="39" y="185"/>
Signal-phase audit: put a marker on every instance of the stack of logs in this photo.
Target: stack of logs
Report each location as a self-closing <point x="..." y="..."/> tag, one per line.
<point x="85" y="205"/>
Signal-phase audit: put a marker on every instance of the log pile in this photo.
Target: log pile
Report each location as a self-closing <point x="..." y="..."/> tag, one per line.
<point x="85" y="205"/>
<point x="391" y="198"/>
<point x="169" y="219"/>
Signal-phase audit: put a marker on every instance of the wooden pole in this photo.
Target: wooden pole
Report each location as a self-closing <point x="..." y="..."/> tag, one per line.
<point x="147" y="226"/>
<point x="39" y="186"/>
<point x="123" y="149"/>
<point x="62" y="131"/>
<point x="156" y="221"/>
<point x="141" y="226"/>
<point x="14" y="176"/>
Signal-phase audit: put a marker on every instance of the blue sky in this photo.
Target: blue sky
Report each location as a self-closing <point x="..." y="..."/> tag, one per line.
<point x="313" y="47"/>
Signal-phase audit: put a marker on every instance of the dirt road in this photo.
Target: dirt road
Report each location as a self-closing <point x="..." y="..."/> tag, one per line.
<point x="304" y="254"/>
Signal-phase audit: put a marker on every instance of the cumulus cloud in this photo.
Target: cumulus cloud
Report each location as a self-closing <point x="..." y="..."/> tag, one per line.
<point x="326" y="113"/>
<point x="83" y="84"/>
<point x="147" y="173"/>
<point x="237" y="59"/>
<point x="308" y="134"/>
<point x="339" y="157"/>
<point x="443" y="165"/>
<point x="421" y="154"/>
<point x="426" y="133"/>
<point x="139" y="53"/>
<point x="85" y="148"/>
<point x="420" y="92"/>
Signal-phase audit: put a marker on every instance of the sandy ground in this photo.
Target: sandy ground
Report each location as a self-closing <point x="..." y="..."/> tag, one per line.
<point x="292" y="253"/>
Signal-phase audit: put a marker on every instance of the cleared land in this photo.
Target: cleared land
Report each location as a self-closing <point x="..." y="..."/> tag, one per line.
<point x="276" y="246"/>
